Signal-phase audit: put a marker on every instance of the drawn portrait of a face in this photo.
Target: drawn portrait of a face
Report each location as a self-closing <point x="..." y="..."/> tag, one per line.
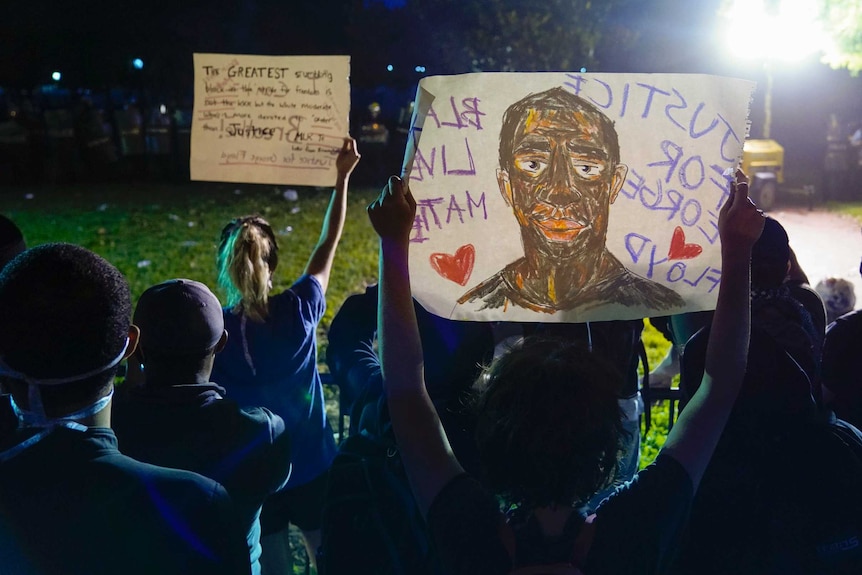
<point x="559" y="172"/>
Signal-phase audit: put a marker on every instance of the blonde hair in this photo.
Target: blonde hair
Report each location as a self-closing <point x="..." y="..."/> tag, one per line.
<point x="247" y="257"/>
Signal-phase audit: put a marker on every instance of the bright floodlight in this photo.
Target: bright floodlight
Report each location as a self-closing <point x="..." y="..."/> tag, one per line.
<point x="790" y="33"/>
<point x="138" y="64"/>
<point x="56" y="76"/>
<point x="390" y="67"/>
<point x="419" y="68"/>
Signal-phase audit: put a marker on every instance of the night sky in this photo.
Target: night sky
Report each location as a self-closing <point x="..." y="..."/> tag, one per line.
<point x="93" y="43"/>
<point x="97" y="43"/>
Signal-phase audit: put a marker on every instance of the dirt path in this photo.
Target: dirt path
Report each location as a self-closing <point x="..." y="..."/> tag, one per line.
<point x="826" y="244"/>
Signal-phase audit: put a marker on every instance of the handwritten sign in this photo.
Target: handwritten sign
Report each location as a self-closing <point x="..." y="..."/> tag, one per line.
<point x="571" y="197"/>
<point x="269" y="119"/>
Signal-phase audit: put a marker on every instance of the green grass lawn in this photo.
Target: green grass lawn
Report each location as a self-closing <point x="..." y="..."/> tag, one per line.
<point x="853" y="209"/>
<point x="156" y="231"/>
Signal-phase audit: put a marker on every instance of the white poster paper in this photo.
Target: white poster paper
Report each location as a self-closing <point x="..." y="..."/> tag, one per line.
<point x="269" y="119"/>
<point x="571" y="197"/>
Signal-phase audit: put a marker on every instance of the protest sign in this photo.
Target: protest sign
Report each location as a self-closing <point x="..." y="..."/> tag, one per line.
<point x="571" y="197"/>
<point x="269" y="119"/>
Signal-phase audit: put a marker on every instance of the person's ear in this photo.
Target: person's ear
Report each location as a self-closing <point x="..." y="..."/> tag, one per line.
<point x="221" y="342"/>
<point x="617" y="180"/>
<point x="134" y="338"/>
<point x="505" y="186"/>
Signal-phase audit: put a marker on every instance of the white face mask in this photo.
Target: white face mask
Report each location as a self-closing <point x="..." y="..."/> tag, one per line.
<point x="29" y="418"/>
<point x="35" y="416"/>
<point x="46" y="425"/>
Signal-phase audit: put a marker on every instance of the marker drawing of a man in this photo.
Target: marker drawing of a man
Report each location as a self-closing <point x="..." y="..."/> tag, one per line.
<point x="560" y="171"/>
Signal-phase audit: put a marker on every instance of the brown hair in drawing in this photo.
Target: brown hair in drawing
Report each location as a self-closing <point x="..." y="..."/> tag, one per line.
<point x="560" y="171"/>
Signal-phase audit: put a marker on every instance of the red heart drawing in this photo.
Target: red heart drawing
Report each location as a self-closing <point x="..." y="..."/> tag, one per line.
<point x="679" y="250"/>
<point x="456" y="268"/>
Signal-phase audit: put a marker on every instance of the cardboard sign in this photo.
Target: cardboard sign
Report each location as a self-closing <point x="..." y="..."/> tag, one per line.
<point x="571" y="197"/>
<point x="269" y="119"/>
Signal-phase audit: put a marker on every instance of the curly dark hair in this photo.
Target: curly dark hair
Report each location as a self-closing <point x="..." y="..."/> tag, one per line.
<point x="64" y="311"/>
<point x="549" y="426"/>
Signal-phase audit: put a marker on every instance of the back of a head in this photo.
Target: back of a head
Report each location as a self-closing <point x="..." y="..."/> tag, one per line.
<point x="65" y="311"/>
<point x="180" y="320"/>
<point x="838" y="296"/>
<point x="549" y="427"/>
<point x="247" y="256"/>
<point x="11" y="240"/>
<point x="775" y="386"/>
<point x="770" y="256"/>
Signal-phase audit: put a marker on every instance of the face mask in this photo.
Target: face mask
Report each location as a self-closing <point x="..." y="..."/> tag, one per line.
<point x="35" y="417"/>
<point x="29" y="418"/>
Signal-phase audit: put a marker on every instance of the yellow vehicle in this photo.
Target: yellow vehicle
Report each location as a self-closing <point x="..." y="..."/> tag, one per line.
<point x="763" y="161"/>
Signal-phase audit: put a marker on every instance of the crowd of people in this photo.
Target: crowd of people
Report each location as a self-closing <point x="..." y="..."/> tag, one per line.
<point x="217" y="440"/>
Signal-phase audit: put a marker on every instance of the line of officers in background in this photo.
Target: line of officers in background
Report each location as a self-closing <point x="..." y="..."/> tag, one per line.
<point x="56" y="136"/>
<point x="51" y="136"/>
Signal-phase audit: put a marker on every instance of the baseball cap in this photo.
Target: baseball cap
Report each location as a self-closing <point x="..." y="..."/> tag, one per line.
<point x="179" y="317"/>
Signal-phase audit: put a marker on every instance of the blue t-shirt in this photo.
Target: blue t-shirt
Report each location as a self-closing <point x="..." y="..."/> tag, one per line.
<point x="274" y="365"/>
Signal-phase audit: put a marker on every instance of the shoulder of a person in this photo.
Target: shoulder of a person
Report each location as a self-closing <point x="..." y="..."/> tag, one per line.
<point x="806" y="295"/>
<point x="307" y="281"/>
<point x="185" y="486"/>
<point x="649" y="289"/>
<point x="849" y="321"/>
<point x="306" y="286"/>
<point x="663" y="470"/>
<point x="263" y="418"/>
<point x="455" y="492"/>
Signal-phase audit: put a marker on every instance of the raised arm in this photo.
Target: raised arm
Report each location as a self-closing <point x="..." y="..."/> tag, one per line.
<point x="320" y="263"/>
<point x="424" y="448"/>
<point x="696" y="433"/>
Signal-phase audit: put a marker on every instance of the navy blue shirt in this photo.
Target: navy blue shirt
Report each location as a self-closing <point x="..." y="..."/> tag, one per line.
<point x="192" y="427"/>
<point x="72" y="503"/>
